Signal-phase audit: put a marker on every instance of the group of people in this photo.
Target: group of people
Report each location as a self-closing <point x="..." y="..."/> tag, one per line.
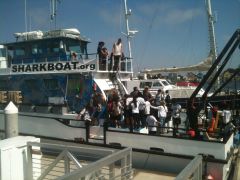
<point x="115" y="57"/>
<point x="134" y="111"/>
<point x="142" y="110"/>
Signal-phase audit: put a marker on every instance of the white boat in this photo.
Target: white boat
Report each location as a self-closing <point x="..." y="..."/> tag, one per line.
<point x="154" y="85"/>
<point x="49" y="83"/>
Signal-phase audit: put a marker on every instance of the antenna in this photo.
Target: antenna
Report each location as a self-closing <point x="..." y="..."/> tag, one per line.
<point x="25" y="5"/>
<point x="53" y="11"/>
<point x="130" y="33"/>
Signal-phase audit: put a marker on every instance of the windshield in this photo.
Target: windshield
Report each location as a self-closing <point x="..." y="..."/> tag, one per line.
<point x="165" y="83"/>
<point x="2" y="52"/>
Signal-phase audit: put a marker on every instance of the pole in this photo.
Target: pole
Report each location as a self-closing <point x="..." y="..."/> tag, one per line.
<point x="11" y="120"/>
<point x="129" y="32"/>
<point x="25" y="3"/>
<point x="127" y="28"/>
<point x="211" y="31"/>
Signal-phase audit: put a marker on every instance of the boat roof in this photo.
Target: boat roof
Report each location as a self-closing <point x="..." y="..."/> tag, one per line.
<point x="34" y="36"/>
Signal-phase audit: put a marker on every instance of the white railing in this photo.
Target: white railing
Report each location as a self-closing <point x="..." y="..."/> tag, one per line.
<point x="192" y="171"/>
<point x="74" y="162"/>
<point x="123" y="66"/>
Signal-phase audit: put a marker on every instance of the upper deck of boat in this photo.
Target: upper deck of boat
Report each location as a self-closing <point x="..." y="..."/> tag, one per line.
<point x="57" y="51"/>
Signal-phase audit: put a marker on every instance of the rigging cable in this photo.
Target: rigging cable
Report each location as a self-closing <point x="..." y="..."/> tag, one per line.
<point x="145" y="46"/>
<point x="120" y="17"/>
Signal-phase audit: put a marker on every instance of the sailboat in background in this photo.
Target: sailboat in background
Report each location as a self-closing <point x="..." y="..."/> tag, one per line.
<point x="206" y="63"/>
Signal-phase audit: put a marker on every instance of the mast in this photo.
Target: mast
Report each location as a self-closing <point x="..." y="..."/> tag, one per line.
<point x="53" y="11"/>
<point x="25" y="7"/>
<point x="211" y="31"/>
<point x="130" y="33"/>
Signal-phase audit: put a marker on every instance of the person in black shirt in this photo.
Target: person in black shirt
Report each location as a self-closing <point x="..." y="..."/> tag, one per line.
<point x="102" y="55"/>
<point x="136" y="92"/>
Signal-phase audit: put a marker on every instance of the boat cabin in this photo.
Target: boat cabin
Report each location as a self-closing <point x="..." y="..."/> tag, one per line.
<point x="55" y="68"/>
<point x="38" y="47"/>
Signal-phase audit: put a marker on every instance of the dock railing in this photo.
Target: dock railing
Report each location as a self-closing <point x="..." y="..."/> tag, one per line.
<point x="74" y="162"/>
<point x="192" y="171"/>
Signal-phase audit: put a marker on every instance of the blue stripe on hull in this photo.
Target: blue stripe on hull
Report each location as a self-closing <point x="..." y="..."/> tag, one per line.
<point x="36" y="89"/>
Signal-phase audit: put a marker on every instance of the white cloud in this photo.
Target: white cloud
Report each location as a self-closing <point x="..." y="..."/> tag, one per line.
<point x="110" y="17"/>
<point x="168" y="13"/>
<point x="150" y="8"/>
<point x="39" y="17"/>
<point x="179" y="16"/>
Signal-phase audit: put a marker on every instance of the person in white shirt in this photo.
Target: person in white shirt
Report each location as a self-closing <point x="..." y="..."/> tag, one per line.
<point x="176" y="109"/>
<point x="141" y="108"/>
<point x="117" y="52"/>
<point x="135" y="113"/>
<point x="162" y="114"/>
<point x="146" y="111"/>
<point x="152" y="124"/>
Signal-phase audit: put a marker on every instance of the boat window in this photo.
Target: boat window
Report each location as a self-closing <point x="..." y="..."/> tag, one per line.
<point x="34" y="49"/>
<point x="31" y="84"/>
<point x="144" y="84"/>
<point x="3" y="85"/>
<point x="2" y="52"/>
<point x="73" y="46"/>
<point x="165" y="83"/>
<point x="61" y="45"/>
<point x="51" y="84"/>
<point x="73" y="85"/>
<point x="53" y="47"/>
<point x="20" y="51"/>
<point x="157" y="84"/>
<point x="84" y="47"/>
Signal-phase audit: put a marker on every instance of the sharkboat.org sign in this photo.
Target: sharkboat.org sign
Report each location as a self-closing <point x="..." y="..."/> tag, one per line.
<point x="53" y="67"/>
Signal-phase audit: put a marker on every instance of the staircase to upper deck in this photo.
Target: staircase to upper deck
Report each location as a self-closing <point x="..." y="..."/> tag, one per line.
<point x="115" y="78"/>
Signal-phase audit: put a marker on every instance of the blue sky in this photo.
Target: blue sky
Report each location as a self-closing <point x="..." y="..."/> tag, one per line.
<point x="171" y="32"/>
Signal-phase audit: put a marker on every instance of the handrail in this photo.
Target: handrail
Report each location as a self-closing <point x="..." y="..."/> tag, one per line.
<point x="193" y="169"/>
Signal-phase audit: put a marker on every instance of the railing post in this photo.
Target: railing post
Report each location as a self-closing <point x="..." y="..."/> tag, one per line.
<point x="105" y="128"/>
<point x="111" y="171"/>
<point x="11" y="120"/>
<point x="29" y="162"/>
<point x="107" y="63"/>
<point x="126" y="63"/>
<point x="113" y="62"/>
<point x="87" y="125"/>
<point x="66" y="165"/>
<point x="129" y="164"/>
<point x="123" y="167"/>
<point x="97" y="62"/>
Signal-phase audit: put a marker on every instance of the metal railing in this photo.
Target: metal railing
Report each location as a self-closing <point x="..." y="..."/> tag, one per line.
<point x="192" y="171"/>
<point x="109" y="64"/>
<point x="78" y="162"/>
